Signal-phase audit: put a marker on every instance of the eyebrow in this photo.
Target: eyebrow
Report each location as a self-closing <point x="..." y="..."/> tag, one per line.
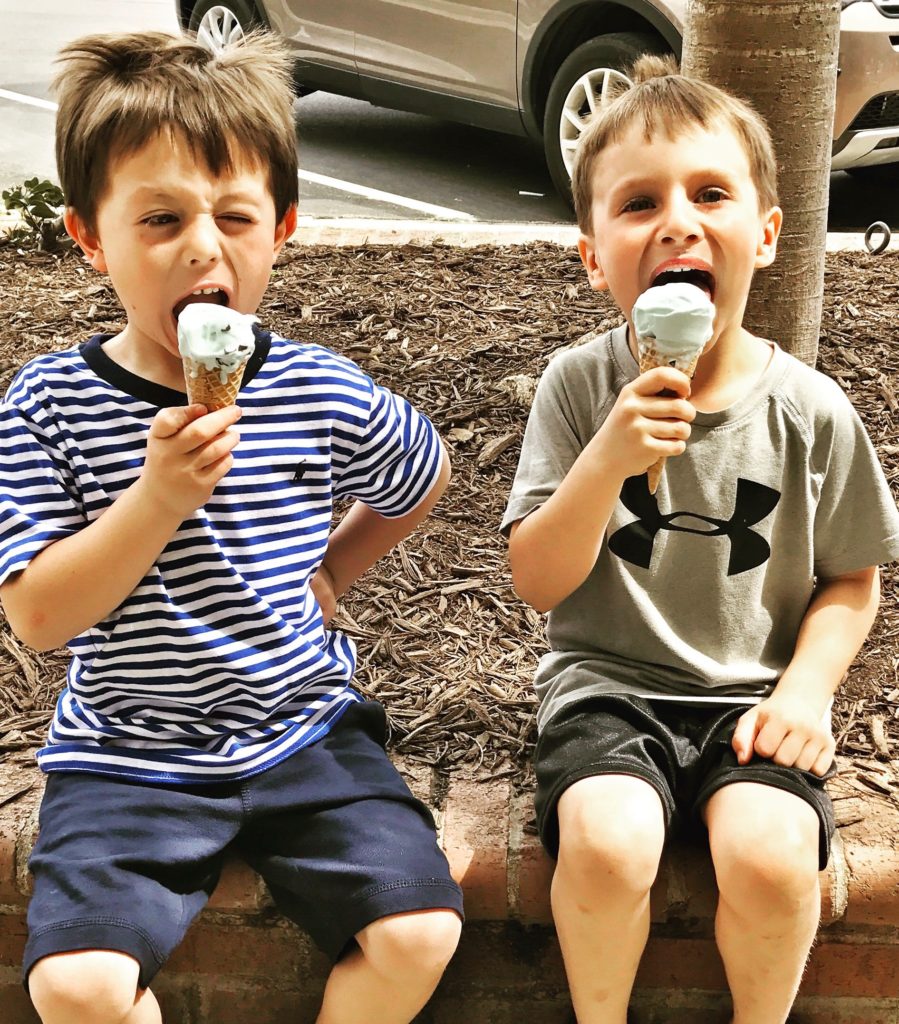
<point x="715" y="172"/>
<point x="148" y="192"/>
<point x="641" y="183"/>
<point x="641" y="180"/>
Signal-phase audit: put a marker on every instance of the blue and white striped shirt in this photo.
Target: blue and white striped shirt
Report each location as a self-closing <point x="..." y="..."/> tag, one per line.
<point x="217" y="666"/>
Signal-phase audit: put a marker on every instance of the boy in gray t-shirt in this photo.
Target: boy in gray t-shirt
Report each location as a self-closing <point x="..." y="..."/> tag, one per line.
<point x="698" y="634"/>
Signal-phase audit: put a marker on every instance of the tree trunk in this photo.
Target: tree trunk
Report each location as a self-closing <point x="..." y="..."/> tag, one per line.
<point x="781" y="55"/>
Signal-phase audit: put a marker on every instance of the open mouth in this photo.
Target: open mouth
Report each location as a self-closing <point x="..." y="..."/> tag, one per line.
<point x="687" y="275"/>
<point x="212" y="296"/>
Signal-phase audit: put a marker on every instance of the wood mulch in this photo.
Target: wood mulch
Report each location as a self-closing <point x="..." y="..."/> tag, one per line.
<point x="464" y="334"/>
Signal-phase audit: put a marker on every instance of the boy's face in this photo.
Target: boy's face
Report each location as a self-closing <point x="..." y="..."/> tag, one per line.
<point x="166" y="228"/>
<point x="687" y="202"/>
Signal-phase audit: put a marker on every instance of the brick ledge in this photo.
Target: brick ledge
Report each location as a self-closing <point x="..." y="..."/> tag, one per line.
<point x="507" y="968"/>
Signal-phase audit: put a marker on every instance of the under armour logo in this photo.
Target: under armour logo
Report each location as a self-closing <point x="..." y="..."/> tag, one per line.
<point x="748" y="549"/>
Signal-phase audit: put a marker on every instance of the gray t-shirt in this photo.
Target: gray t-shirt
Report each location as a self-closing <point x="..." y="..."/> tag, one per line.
<point x="699" y="590"/>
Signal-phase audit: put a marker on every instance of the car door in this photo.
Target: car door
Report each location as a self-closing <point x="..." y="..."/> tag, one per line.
<point x="456" y="48"/>
<point x="321" y="34"/>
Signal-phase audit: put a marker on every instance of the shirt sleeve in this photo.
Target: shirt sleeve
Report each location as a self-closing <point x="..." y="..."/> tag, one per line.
<point x="560" y="424"/>
<point x="856" y="520"/>
<point x="396" y="458"/>
<point x="36" y="506"/>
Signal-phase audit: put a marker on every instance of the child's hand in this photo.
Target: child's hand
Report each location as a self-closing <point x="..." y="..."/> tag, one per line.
<point x="651" y="418"/>
<point x="188" y="452"/>
<point x="323" y="588"/>
<point x="787" y="730"/>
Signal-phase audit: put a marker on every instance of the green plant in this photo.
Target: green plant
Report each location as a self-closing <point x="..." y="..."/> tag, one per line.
<point x="40" y="203"/>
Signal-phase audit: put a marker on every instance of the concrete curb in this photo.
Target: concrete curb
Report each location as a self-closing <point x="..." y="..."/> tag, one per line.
<point x="350" y="231"/>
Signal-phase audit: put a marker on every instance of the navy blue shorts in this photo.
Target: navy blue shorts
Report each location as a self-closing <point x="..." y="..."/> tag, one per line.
<point x="333" y="830"/>
<point x="682" y="750"/>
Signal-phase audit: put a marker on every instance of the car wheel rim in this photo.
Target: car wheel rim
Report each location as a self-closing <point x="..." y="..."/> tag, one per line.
<point x="587" y="94"/>
<point x="218" y="29"/>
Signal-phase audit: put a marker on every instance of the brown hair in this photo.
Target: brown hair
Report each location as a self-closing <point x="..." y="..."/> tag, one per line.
<point x="661" y="100"/>
<point x="116" y="92"/>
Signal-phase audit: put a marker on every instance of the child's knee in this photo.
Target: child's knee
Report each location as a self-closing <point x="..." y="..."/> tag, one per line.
<point x="768" y="875"/>
<point x="420" y="944"/>
<point x="91" y="986"/>
<point x="764" y="859"/>
<point x="612" y="831"/>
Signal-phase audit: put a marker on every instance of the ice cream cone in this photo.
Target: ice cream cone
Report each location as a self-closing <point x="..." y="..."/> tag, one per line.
<point x="673" y="323"/>
<point x="215" y="388"/>
<point x="215" y="343"/>
<point x="650" y="358"/>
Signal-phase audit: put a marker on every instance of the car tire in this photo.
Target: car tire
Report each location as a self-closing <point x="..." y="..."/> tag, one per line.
<point x="218" y="23"/>
<point x="600" y="60"/>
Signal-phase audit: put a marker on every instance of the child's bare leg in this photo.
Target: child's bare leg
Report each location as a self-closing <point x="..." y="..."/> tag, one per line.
<point x="612" y="830"/>
<point x="91" y="987"/>
<point x="764" y="844"/>
<point x="391" y="976"/>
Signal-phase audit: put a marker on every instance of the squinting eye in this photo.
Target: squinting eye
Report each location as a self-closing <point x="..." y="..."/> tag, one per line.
<point x="159" y="220"/>
<point x="236" y="218"/>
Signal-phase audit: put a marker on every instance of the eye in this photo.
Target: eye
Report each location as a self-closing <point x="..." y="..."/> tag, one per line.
<point x="236" y="218"/>
<point x="158" y="220"/>
<point x="637" y="204"/>
<point x="711" y="195"/>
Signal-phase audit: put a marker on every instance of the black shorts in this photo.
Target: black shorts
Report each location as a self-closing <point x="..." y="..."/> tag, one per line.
<point x="683" y="750"/>
<point x="333" y="830"/>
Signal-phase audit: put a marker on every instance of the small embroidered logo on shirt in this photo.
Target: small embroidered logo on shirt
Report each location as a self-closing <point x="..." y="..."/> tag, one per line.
<point x="299" y="471"/>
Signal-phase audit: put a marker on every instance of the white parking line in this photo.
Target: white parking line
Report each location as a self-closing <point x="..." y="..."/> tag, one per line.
<point x="385" y="197"/>
<point x="31" y="101"/>
<point x="316" y="179"/>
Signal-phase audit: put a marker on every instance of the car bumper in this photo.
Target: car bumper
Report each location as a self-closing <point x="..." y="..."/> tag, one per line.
<point x="866" y="121"/>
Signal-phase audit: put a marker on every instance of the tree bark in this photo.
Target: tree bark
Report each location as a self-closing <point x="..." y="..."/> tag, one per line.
<point x="781" y="55"/>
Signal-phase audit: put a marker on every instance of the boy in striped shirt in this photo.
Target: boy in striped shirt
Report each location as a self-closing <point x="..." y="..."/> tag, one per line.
<point x="192" y="571"/>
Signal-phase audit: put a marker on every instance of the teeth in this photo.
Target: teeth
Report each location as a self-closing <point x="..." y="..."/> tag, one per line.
<point x="206" y="291"/>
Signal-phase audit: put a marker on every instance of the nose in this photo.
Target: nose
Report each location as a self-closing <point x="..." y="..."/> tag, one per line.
<point x="201" y="242"/>
<point x="681" y="222"/>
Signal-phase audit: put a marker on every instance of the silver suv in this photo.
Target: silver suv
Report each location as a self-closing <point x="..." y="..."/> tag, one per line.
<point x="538" y="67"/>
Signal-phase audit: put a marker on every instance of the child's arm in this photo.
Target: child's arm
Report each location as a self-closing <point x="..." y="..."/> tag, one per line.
<point x="363" y="536"/>
<point x="788" y="727"/>
<point x="552" y="550"/>
<point x="76" y="582"/>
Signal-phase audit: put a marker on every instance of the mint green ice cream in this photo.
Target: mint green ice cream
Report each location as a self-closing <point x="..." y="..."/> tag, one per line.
<point x="215" y="337"/>
<point x="678" y="317"/>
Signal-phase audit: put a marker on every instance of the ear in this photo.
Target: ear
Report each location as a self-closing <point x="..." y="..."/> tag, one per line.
<point x="286" y="227"/>
<point x="586" y="246"/>
<point x="768" y="236"/>
<point x="87" y="239"/>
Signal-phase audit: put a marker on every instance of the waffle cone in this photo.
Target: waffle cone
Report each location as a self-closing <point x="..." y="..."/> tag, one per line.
<point x="649" y="360"/>
<point x="206" y="388"/>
